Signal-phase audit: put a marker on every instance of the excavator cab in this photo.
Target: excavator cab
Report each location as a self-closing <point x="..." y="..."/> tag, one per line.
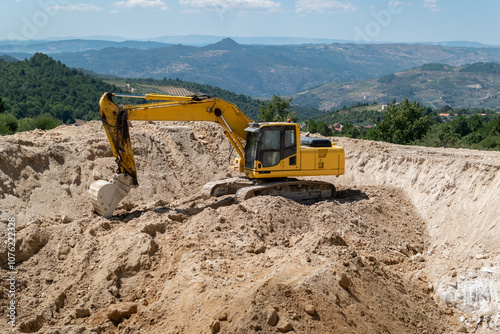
<point x="275" y="150"/>
<point x="271" y="148"/>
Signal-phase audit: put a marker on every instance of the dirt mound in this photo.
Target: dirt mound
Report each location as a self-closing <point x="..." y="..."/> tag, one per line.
<point x="170" y="262"/>
<point x="455" y="191"/>
<point x="47" y="173"/>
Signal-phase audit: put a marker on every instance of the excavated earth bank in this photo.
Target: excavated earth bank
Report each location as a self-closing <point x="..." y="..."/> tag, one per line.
<point x="408" y="246"/>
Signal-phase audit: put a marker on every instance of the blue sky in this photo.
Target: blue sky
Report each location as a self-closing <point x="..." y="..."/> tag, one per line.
<point x="390" y="21"/>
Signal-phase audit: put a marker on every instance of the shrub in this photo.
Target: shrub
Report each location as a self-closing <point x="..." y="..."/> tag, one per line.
<point x="8" y="123"/>
<point x="491" y="142"/>
<point x="42" y="122"/>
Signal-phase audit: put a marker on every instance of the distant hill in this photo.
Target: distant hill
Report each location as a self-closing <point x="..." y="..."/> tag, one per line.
<point x="75" y="45"/>
<point x="18" y="55"/>
<point x="264" y="70"/>
<point x="248" y="105"/>
<point x="8" y="58"/>
<point x="436" y="85"/>
<point x="463" y="44"/>
<point x="42" y="85"/>
<point x="202" y="40"/>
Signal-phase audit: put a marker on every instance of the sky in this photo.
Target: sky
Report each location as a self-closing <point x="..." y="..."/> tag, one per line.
<point x="356" y="20"/>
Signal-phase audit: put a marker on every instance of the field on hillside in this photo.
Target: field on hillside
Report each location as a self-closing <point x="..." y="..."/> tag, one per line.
<point x="434" y="85"/>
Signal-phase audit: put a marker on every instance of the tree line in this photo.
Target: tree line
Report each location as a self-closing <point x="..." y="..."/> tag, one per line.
<point x="409" y="123"/>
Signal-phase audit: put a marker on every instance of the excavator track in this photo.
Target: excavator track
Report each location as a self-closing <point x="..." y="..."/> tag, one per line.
<point x="292" y="189"/>
<point x="225" y="187"/>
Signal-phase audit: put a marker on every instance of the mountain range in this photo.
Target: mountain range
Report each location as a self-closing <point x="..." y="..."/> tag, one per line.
<point x="315" y="73"/>
<point x="74" y="45"/>
<point x="203" y="40"/>
<point x="264" y="70"/>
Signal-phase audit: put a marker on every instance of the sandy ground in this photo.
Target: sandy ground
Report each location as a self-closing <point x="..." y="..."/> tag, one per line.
<point x="408" y="246"/>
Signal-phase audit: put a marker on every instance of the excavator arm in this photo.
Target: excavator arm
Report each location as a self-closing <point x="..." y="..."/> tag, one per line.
<point x="177" y="108"/>
<point x="105" y="196"/>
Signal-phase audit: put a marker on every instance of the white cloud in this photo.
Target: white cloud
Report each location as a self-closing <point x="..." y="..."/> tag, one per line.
<point x="159" y="4"/>
<point x="76" y="7"/>
<point x="233" y="4"/>
<point x="431" y="5"/>
<point x="322" y="6"/>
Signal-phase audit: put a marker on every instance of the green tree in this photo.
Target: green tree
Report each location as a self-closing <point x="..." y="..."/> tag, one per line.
<point x="46" y="122"/>
<point x="440" y="135"/>
<point x="461" y="126"/>
<point x="447" y="109"/>
<point x="311" y="126"/>
<point x="276" y="110"/>
<point x="323" y="129"/>
<point x="3" y="130"/>
<point x="2" y="106"/>
<point x="403" y="123"/>
<point x="494" y="127"/>
<point x="349" y="130"/>
<point x="491" y="142"/>
<point x="475" y="123"/>
<point x="42" y="122"/>
<point x="320" y="127"/>
<point x="8" y="124"/>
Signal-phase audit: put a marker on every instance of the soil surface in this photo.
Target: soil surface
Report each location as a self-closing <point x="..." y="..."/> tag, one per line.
<point x="409" y="245"/>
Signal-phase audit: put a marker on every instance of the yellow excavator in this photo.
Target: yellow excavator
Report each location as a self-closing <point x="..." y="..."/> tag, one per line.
<point x="269" y="154"/>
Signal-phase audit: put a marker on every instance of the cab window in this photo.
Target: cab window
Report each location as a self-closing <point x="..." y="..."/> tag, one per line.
<point x="271" y="147"/>
<point x="271" y="140"/>
<point x="289" y="138"/>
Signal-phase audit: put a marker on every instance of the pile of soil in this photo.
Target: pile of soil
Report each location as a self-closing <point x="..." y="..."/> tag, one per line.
<point x="408" y="226"/>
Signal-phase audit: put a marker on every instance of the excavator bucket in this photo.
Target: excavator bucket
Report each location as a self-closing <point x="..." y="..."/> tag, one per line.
<point x="105" y="196"/>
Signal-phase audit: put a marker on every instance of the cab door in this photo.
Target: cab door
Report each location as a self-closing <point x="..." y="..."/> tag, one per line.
<point x="290" y="147"/>
<point x="278" y="147"/>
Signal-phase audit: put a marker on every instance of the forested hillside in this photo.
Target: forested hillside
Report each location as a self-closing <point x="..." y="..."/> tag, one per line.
<point x="41" y="85"/>
<point x="41" y="93"/>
